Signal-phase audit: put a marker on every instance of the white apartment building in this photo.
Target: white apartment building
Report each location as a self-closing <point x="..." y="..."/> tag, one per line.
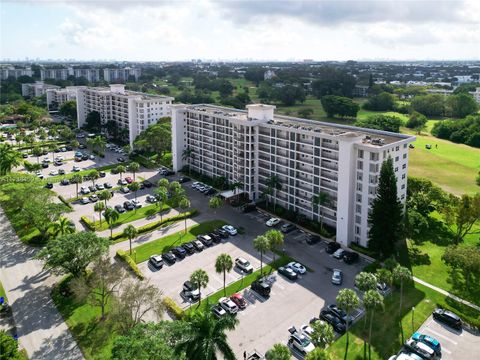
<point x="38" y="88"/>
<point x="307" y="156"/>
<point x="131" y="110"/>
<point x="10" y="71"/>
<point x="113" y="75"/>
<point x="56" y="97"/>
<point x="56" y="74"/>
<point x="92" y="75"/>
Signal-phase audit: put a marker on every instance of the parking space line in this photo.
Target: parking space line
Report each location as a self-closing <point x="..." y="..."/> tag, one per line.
<point x="442" y="336"/>
<point x="268" y="258"/>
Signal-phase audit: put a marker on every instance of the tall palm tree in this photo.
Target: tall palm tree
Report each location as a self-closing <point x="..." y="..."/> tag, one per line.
<point x="99" y="207"/>
<point x="234" y="187"/>
<point x="200" y="279"/>
<point x="224" y="264"/>
<point x="37" y="152"/>
<point x="206" y="337"/>
<point x="347" y="300"/>
<point x="9" y="158"/>
<point x="401" y="275"/>
<point x="111" y="215"/>
<point x="130" y="232"/>
<point x="262" y="245"/>
<point x="133" y="167"/>
<point x="214" y="203"/>
<point x="278" y="352"/>
<point x="372" y="300"/>
<point x="161" y="194"/>
<point x="163" y="183"/>
<point x="366" y="281"/>
<point x="93" y="175"/>
<point x="323" y="334"/>
<point x="63" y="226"/>
<point x="275" y="240"/>
<point x="274" y="184"/>
<point x="188" y="154"/>
<point x="77" y="179"/>
<point x="120" y="169"/>
<point x="104" y="195"/>
<point x="320" y="200"/>
<point x="184" y="204"/>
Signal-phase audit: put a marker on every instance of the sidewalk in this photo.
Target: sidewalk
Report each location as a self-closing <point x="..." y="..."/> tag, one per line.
<point x="40" y="327"/>
<point x="446" y="293"/>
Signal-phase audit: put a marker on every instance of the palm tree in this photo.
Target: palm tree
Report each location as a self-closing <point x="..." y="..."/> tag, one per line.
<point x="214" y="203"/>
<point x="318" y="354"/>
<point x="111" y="216"/>
<point x="75" y="144"/>
<point x="323" y="334"/>
<point x="384" y="276"/>
<point x="120" y="169"/>
<point x="320" y="200"/>
<point x="234" y="187"/>
<point x="105" y="195"/>
<point x="401" y="275"/>
<point x="130" y="232"/>
<point x="134" y="186"/>
<point x="200" y="279"/>
<point x="274" y="183"/>
<point x="99" y="143"/>
<point x="275" y="240"/>
<point x="63" y="226"/>
<point x="99" y="207"/>
<point x="188" y="154"/>
<point x="278" y="352"/>
<point x="372" y="300"/>
<point x="163" y="183"/>
<point x="224" y="264"/>
<point x="93" y="175"/>
<point x="133" y="167"/>
<point x="347" y="300"/>
<point x="161" y="194"/>
<point x="184" y="204"/>
<point x="9" y="158"/>
<point x="52" y="149"/>
<point x="205" y="337"/>
<point x="262" y="245"/>
<point x="77" y="179"/>
<point x="37" y="152"/>
<point x="366" y="281"/>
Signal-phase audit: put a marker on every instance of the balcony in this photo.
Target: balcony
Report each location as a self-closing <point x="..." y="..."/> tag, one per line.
<point x="328" y="185"/>
<point x="330" y="146"/>
<point x="329" y="155"/>
<point x="329" y="165"/>
<point x="304" y="187"/>
<point x="329" y="175"/>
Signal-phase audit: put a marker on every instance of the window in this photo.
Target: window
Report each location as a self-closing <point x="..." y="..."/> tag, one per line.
<point x="357" y="230"/>
<point x="396" y="169"/>
<point x="397" y="148"/>
<point x="404" y="166"/>
<point x="358" y="219"/>
<point x="397" y="158"/>
<point x="359" y="176"/>
<point x="404" y="156"/>
<point x="374" y="156"/>
<point x="403" y="186"/>
<point x="359" y="187"/>
<point x="358" y="208"/>
<point x="360" y="154"/>
<point x="404" y="146"/>
<point x="403" y="176"/>
<point x="359" y="198"/>
<point x="360" y="165"/>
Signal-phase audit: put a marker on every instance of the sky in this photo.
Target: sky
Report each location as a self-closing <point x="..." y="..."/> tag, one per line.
<point x="156" y="30"/>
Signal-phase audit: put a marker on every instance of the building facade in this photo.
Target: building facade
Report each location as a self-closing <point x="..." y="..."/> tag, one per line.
<point x="308" y="157"/>
<point x="56" y="97"/>
<point x="131" y="111"/>
<point x="92" y="75"/>
<point x="10" y="71"/>
<point x="38" y="88"/>
<point x="121" y="75"/>
<point x="55" y="74"/>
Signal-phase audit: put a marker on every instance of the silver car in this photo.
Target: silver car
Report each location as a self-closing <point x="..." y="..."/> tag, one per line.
<point x="337" y="277"/>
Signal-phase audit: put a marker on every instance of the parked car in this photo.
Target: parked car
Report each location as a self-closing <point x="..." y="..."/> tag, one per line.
<point x="128" y="179"/>
<point x="102" y="174"/>
<point x="183" y="179"/>
<point x="75" y="168"/>
<point x="45" y="165"/>
<point x="337" y="277"/>
<point x="190" y="291"/>
<point x="340" y="313"/>
<point x="300" y="342"/>
<point x="333" y="320"/>
<point x="248" y="207"/>
<point x="84" y="190"/>
<point x="221" y="232"/>
<point x="428" y="340"/>
<point x="297" y="267"/>
<point x="349" y="257"/>
<point x="136" y="203"/>
<point x="120" y="159"/>
<point x="332" y="247"/>
<point x="169" y="258"/>
<point x="93" y="198"/>
<point x="312" y="239"/>
<point x="53" y="173"/>
<point x="205" y="239"/>
<point x="189" y="248"/>
<point x="156" y="261"/>
<point x="61" y="172"/>
<point x="239" y="300"/>
<point x="24" y="155"/>
<point x="119" y="208"/>
<point x="65" y="182"/>
<point x="107" y="185"/>
<point x="339" y="254"/>
<point x="122" y="182"/>
<point x="244" y="265"/>
<point x="198" y="245"/>
<point x="228" y="305"/>
<point x="128" y="205"/>
<point x="230" y="229"/>
<point x="84" y="201"/>
<point x="210" y="191"/>
<point x="286" y="228"/>
<point x="49" y="185"/>
<point x="448" y="318"/>
<point x="125" y="190"/>
<point x="147" y="184"/>
<point x="84" y="157"/>
<point x="179" y="252"/>
<point x="215" y="237"/>
<point x="92" y="188"/>
<point x="288" y="273"/>
<point x="272" y="222"/>
<point x="100" y="187"/>
<point x="419" y="348"/>
<point x="151" y="199"/>
<point x="218" y="311"/>
<point x="261" y="287"/>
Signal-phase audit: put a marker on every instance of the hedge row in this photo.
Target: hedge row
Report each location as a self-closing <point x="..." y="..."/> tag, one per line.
<point x="88" y="223"/>
<point x="144" y="161"/>
<point x="154" y="225"/>
<point x="62" y="199"/>
<point x="123" y="255"/>
<point x="172" y="307"/>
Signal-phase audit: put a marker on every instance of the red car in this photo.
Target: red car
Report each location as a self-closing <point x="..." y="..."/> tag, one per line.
<point x="239" y="300"/>
<point x="128" y="179"/>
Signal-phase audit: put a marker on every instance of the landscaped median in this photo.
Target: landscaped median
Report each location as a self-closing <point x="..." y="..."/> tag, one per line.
<point x="58" y="178"/>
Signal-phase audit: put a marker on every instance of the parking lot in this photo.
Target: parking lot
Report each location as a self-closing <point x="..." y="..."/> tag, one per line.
<point x="455" y="344"/>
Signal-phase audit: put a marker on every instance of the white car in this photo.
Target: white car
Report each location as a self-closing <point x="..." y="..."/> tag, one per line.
<point x="307" y="331"/>
<point x="230" y="229"/>
<point x="339" y="254"/>
<point x="53" y="173"/>
<point x="272" y="222"/>
<point x="195" y="184"/>
<point x="92" y="157"/>
<point x="228" y="305"/>
<point x="125" y="190"/>
<point x="84" y="201"/>
<point x="422" y="349"/>
<point x="59" y="158"/>
<point x="84" y="190"/>
<point x="301" y="343"/>
<point x="46" y="159"/>
<point x="297" y="267"/>
<point x="136" y="203"/>
<point x="75" y="169"/>
<point x="151" y="199"/>
<point x="244" y="265"/>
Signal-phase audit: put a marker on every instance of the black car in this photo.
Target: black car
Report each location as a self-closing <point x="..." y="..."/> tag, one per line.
<point x="330" y="318"/>
<point x="332" y="247"/>
<point x="224" y="234"/>
<point x="84" y="157"/>
<point x="147" y="184"/>
<point x="107" y="185"/>
<point x="102" y="174"/>
<point x="340" y="313"/>
<point x="82" y="146"/>
<point x="189" y="248"/>
<point x="286" y="228"/>
<point x="288" y="273"/>
<point x="49" y="185"/>
<point x="169" y="173"/>
<point x="249" y="207"/>
<point x="65" y="182"/>
<point x="69" y="148"/>
<point x="261" y="287"/>
<point x="190" y="291"/>
<point x="25" y="155"/>
<point x="61" y="172"/>
<point x="169" y="258"/>
<point x="179" y="252"/>
<point x="350" y="257"/>
<point x="205" y="239"/>
<point x="312" y="239"/>
<point x="120" y="159"/>
<point x="92" y="188"/>
<point x="119" y="208"/>
<point x="184" y="179"/>
<point x="210" y="192"/>
<point x="128" y="205"/>
<point x="448" y="318"/>
<point x="215" y="237"/>
<point x="45" y="165"/>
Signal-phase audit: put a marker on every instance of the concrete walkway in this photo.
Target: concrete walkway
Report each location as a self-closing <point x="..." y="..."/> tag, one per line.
<point x="446" y="293"/>
<point x="40" y="327"/>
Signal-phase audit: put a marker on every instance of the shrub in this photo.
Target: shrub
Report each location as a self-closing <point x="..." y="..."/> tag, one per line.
<point x="62" y="199"/>
<point x="173" y="308"/>
<point x="123" y="255"/>
<point x="88" y="223"/>
<point x="372" y="267"/>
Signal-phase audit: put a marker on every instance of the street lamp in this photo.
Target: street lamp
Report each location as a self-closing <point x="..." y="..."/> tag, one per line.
<point x="413" y="314"/>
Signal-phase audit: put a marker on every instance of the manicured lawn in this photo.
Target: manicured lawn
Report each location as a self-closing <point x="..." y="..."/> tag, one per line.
<point x="362" y="114"/>
<point x="386" y="331"/>
<point x="310" y="103"/>
<point x="164" y="244"/>
<point x="106" y="168"/>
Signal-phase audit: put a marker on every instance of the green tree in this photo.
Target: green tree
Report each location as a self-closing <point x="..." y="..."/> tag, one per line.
<point x="416" y="120"/>
<point x="104" y="195"/>
<point x="37" y="152"/>
<point x="278" y="352"/>
<point x="188" y="155"/>
<point x="461" y="105"/>
<point x="133" y="167"/>
<point x="224" y="264"/>
<point x="134" y="187"/>
<point x="321" y="200"/>
<point x="76" y="179"/>
<point x="72" y="253"/>
<point x="9" y="158"/>
<point x="429" y="105"/>
<point x="365" y="281"/>
<point x="161" y="193"/>
<point x="163" y="183"/>
<point x="401" y="276"/>
<point x="214" y="203"/>
<point x="69" y="108"/>
<point x="275" y="240"/>
<point x="462" y="215"/>
<point x="8" y="347"/>
<point x="305" y="113"/>
<point x="63" y="226"/>
<point x="347" y="300"/>
<point x="341" y="106"/>
<point x="130" y="232"/>
<point x="262" y="245"/>
<point x="386" y="217"/>
<point x="333" y="81"/>
<point x="120" y="169"/>
<point x="205" y="337"/>
<point x="156" y="138"/>
<point x="381" y="122"/>
<point x="466" y="259"/>
<point x="372" y="300"/>
<point x="184" y="204"/>
<point x="93" y="175"/>
<point x="200" y="279"/>
<point x="384" y="276"/>
<point x="322" y="335"/>
<point x="93" y="121"/>
<point x="99" y="207"/>
<point x="111" y="216"/>
<point x="383" y="101"/>
<point x="318" y="354"/>
<point x="274" y="184"/>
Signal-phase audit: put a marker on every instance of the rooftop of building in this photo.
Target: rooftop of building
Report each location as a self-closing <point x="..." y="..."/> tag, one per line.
<point x="120" y="90"/>
<point x="369" y="136"/>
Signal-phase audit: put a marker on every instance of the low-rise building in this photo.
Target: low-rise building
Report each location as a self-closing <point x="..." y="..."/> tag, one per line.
<point x="360" y="91"/>
<point x="38" y="88"/>
<point x="57" y="97"/>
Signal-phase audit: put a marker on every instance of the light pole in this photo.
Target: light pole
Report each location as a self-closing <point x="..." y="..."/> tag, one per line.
<point x="413" y="314"/>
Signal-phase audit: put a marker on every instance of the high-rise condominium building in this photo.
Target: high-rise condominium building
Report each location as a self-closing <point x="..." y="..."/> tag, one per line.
<point x="56" y="97"/>
<point x="307" y="157"/>
<point x="113" y="75"/>
<point x="92" y="75"/>
<point x="132" y="111"/>
<point x="10" y="71"/>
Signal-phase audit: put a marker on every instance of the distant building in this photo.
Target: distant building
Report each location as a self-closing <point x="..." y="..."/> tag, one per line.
<point x="476" y="94"/>
<point x="55" y="74"/>
<point x="444" y="92"/>
<point x="56" y="97"/>
<point x="269" y="74"/>
<point x="10" y="71"/>
<point x="360" y="91"/>
<point x="39" y="88"/>
<point x="92" y="75"/>
<point x="131" y="111"/>
<point x="121" y="75"/>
